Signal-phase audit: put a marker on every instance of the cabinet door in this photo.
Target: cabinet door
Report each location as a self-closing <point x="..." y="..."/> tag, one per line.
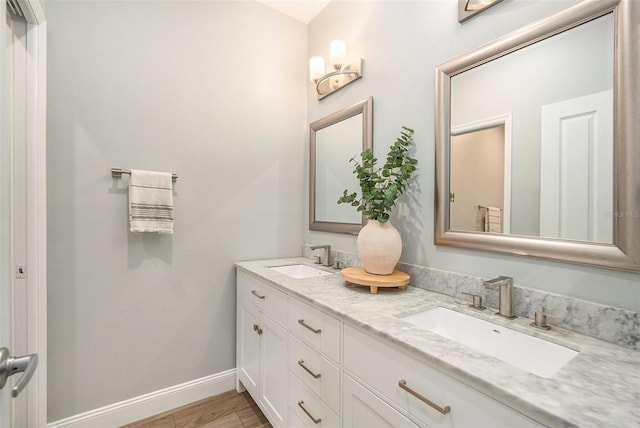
<point x="274" y="370"/>
<point x="361" y="408"/>
<point x="247" y="347"/>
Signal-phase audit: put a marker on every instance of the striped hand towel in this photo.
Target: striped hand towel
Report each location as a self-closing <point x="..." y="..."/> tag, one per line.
<point x="493" y="220"/>
<point x="150" y="202"/>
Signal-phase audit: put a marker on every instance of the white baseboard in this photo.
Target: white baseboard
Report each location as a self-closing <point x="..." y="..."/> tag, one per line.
<point x="147" y="405"/>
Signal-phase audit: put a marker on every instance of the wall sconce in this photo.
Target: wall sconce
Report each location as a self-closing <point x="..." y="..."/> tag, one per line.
<point x="469" y="8"/>
<point x="341" y="75"/>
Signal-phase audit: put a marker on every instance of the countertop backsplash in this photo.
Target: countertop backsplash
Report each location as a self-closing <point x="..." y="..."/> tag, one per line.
<point x="614" y="325"/>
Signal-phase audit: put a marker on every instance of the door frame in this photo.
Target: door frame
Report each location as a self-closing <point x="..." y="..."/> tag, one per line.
<point x="36" y="206"/>
<point x="492" y="122"/>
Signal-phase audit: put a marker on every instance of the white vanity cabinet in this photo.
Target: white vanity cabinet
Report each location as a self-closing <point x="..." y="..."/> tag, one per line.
<point x="306" y="368"/>
<point x="430" y="397"/>
<point x="262" y="350"/>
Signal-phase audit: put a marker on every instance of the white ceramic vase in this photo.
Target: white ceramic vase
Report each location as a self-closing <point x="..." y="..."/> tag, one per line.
<point x="379" y="247"/>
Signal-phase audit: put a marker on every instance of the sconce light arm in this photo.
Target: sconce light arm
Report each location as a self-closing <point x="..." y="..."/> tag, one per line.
<point x="351" y="74"/>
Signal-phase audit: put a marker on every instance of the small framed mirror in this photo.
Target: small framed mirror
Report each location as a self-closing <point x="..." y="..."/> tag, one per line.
<point x="333" y="141"/>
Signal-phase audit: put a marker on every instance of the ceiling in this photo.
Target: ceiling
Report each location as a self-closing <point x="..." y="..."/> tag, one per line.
<point x="302" y="10"/>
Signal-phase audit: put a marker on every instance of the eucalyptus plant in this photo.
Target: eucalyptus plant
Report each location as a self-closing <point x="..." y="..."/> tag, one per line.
<point x="381" y="186"/>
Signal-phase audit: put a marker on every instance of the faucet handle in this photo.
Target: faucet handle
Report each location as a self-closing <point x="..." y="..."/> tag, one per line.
<point x="477" y="301"/>
<point x="540" y="320"/>
<point x="498" y="282"/>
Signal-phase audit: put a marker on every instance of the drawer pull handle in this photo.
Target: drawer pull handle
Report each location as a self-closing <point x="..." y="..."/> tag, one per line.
<point x="255" y="293"/>
<point x="403" y="384"/>
<point x="315" y="421"/>
<point x="315" y="376"/>
<point x="257" y="329"/>
<point x="302" y="323"/>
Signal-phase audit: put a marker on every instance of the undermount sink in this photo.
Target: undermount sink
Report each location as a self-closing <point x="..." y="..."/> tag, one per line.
<point x="529" y="353"/>
<point x="300" y="271"/>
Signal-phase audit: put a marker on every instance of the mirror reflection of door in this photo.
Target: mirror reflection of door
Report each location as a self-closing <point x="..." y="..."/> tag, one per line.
<point x="479" y="186"/>
<point x="576" y="184"/>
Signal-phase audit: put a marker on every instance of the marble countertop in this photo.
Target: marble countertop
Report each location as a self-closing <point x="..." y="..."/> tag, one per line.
<point x="600" y="387"/>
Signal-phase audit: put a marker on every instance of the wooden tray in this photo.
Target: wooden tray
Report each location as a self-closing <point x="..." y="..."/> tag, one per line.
<point x="357" y="275"/>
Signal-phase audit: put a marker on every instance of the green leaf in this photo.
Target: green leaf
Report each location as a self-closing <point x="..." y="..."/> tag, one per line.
<point x="380" y="187"/>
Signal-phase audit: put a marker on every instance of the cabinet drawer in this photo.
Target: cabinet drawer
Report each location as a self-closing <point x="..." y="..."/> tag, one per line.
<point x="361" y="408"/>
<point x="315" y="371"/>
<point x="269" y="300"/>
<point x="308" y="407"/>
<point x="383" y="367"/>
<point x="314" y="327"/>
<point x="294" y="419"/>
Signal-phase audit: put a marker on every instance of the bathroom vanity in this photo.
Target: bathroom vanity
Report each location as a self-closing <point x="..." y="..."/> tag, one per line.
<point x="314" y="353"/>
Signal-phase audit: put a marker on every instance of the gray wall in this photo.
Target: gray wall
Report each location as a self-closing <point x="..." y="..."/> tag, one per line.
<point x="213" y="91"/>
<point x="401" y="43"/>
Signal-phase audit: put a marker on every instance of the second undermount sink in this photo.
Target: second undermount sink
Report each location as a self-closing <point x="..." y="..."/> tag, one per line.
<point x="300" y="271"/>
<point x="529" y="353"/>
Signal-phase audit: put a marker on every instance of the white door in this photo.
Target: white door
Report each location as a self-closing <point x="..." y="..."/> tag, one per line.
<point x="576" y="179"/>
<point x="22" y="214"/>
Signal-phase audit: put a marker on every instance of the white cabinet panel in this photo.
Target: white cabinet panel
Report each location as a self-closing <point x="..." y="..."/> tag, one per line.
<point x="274" y="370"/>
<point x="361" y="408"/>
<point x="315" y="371"/>
<point x="269" y="300"/>
<point x="382" y="367"/>
<point x="247" y="347"/>
<point x="316" y="328"/>
<point x="309" y="407"/>
<point x="294" y="420"/>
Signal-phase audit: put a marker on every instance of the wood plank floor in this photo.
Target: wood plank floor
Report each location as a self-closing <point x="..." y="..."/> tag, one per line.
<point x="228" y="410"/>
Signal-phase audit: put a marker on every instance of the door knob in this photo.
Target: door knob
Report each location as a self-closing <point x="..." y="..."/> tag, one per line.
<point x="12" y="365"/>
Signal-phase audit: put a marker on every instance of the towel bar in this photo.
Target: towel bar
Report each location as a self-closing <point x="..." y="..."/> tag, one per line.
<point x="117" y="173"/>
<point x="482" y="206"/>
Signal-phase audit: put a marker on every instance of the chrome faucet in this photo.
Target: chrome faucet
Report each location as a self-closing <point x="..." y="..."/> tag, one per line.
<point x="505" y="283"/>
<point x="327" y="253"/>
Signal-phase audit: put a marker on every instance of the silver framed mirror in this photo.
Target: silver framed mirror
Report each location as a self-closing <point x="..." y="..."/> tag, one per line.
<point x="619" y="174"/>
<point x="333" y="140"/>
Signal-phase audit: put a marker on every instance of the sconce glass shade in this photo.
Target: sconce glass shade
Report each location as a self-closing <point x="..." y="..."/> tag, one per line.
<point x="338" y="50"/>
<point x="316" y="68"/>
